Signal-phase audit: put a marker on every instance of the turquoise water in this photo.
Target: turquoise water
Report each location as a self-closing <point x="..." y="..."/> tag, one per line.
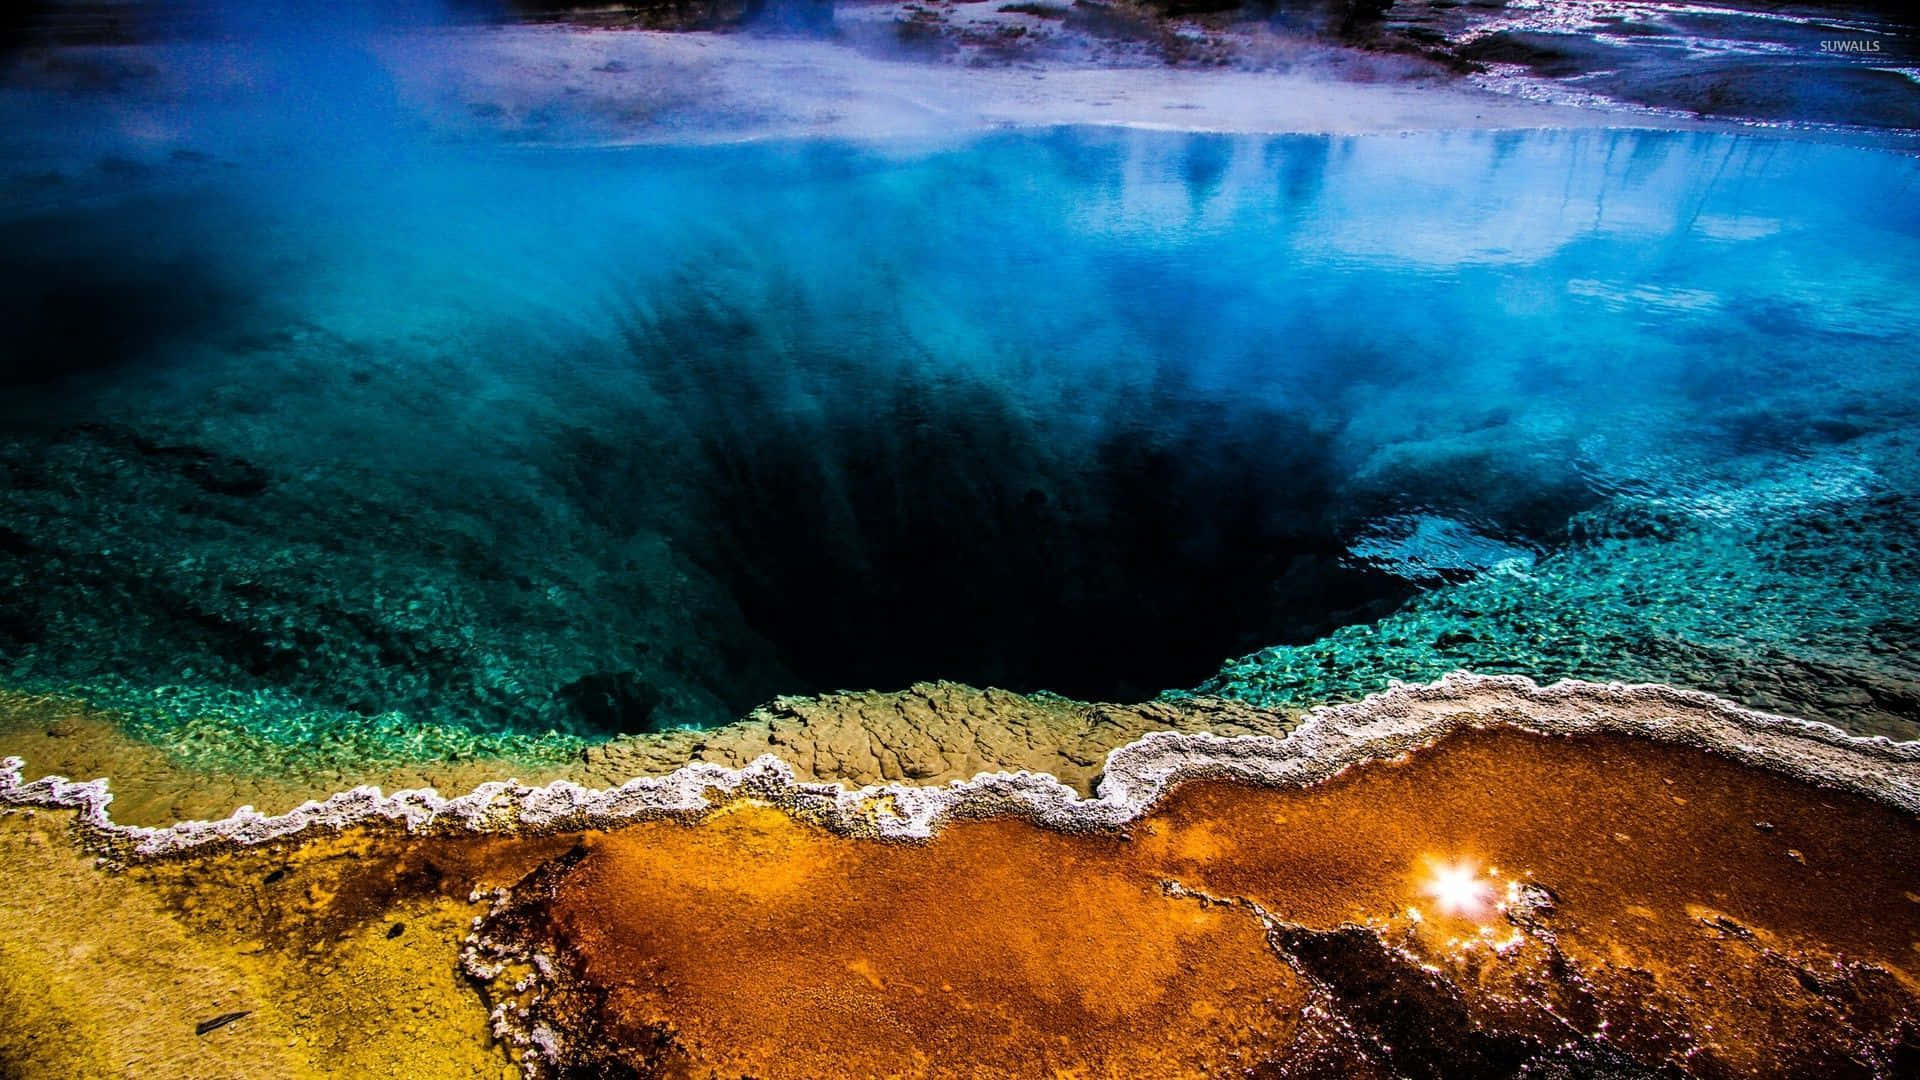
<point x="402" y="447"/>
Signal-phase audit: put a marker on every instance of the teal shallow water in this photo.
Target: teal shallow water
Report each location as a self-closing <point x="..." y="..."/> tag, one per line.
<point x="412" y="450"/>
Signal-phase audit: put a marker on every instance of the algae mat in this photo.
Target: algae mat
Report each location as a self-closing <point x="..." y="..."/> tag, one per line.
<point x="1477" y="877"/>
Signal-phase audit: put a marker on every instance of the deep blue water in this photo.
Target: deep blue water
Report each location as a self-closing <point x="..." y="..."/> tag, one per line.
<point x="381" y="435"/>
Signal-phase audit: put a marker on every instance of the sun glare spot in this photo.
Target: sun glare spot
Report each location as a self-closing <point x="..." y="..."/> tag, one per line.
<point x="1457" y="888"/>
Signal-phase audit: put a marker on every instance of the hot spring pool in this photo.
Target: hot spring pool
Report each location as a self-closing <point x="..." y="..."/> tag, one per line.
<point x="458" y="444"/>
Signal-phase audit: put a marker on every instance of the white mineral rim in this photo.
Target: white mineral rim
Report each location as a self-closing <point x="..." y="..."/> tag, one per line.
<point x="1328" y="740"/>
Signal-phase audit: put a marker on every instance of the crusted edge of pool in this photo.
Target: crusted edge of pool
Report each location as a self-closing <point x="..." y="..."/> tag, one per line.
<point x="1330" y="739"/>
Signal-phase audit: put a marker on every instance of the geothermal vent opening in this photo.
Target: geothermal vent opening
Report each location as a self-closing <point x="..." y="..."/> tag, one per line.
<point x="937" y="531"/>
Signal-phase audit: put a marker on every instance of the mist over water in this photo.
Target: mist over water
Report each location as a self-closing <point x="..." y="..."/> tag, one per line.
<point x="312" y="419"/>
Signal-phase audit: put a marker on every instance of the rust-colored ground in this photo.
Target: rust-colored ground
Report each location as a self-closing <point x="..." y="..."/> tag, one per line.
<point x="1616" y="905"/>
<point x="1621" y="908"/>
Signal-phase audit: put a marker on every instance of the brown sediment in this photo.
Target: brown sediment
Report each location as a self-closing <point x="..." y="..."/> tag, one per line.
<point x="1641" y="905"/>
<point x="932" y="733"/>
<point x="929" y="733"/>
<point x="753" y="943"/>
<point x="1646" y="906"/>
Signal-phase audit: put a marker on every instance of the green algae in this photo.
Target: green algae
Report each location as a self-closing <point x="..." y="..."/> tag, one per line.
<point x="1804" y="613"/>
<point x="214" y="728"/>
<point x="1809" y="615"/>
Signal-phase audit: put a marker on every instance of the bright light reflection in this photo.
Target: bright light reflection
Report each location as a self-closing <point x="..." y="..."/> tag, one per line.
<point x="1458" y="889"/>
